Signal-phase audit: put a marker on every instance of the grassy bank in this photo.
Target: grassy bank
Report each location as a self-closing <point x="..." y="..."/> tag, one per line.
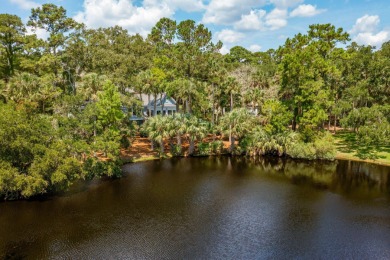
<point x="348" y="148"/>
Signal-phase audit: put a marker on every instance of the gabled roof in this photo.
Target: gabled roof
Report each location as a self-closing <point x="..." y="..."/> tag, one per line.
<point x="167" y="101"/>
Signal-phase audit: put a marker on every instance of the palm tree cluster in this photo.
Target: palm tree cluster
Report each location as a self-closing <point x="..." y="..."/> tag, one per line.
<point x="177" y="126"/>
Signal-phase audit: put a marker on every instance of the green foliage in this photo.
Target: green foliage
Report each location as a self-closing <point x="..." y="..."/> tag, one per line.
<point x="262" y="142"/>
<point x="12" y="39"/>
<point x="237" y="123"/>
<point x="204" y="149"/>
<point x="95" y="167"/>
<point x="216" y="147"/>
<point x="211" y="148"/>
<point x="69" y="97"/>
<point x="108" y="107"/>
<point x="276" y="116"/>
<point x="371" y="124"/>
<point x="323" y="147"/>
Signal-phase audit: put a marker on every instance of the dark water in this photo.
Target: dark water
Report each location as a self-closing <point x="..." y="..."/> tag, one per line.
<point x="214" y="208"/>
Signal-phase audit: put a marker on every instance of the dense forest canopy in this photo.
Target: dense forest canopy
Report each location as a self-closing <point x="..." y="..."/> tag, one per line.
<point x="66" y="101"/>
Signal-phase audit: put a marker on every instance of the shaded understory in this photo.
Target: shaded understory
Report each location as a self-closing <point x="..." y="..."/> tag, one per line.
<point x="348" y="147"/>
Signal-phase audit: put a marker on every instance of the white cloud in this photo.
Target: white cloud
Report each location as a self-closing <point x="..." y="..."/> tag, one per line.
<point x="229" y="36"/>
<point x="284" y="4"/>
<point x="276" y="19"/>
<point x="25" y="4"/>
<point x="365" y="31"/>
<point x="136" y="19"/>
<point x="366" y="23"/>
<point x="368" y="38"/>
<point x="224" y="50"/>
<point x="186" y="5"/>
<point x="41" y="33"/>
<point x="255" y="48"/>
<point x="252" y="21"/>
<point x="227" y="12"/>
<point x="306" y="11"/>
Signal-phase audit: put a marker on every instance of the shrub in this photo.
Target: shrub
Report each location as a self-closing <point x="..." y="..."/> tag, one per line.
<point x="176" y="150"/>
<point x="300" y="150"/>
<point x="322" y="148"/>
<point x="204" y="149"/>
<point x="261" y="142"/>
<point x="216" y="147"/>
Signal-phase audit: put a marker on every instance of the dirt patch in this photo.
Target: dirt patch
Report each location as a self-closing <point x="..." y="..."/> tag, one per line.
<point x="141" y="147"/>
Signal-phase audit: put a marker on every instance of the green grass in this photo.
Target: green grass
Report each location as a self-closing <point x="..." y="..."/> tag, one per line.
<point x="349" y="148"/>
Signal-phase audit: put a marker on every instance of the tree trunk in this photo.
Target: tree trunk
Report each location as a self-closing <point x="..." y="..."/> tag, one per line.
<point x="335" y="122"/>
<point x="177" y="106"/>
<point x="155" y="105"/>
<point x="231" y="101"/>
<point x="191" y="149"/>
<point x="187" y="106"/>
<point x="212" y="100"/>
<point x="162" y="147"/>
<point x="190" y="105"/>
<point x="162" y="102"/>
<point x="178" y="138"/>
<point x="149" y="113"/>
<point x="232" y="143"/>
<point x="231" y="139"/>
<point x="294" y="122"/>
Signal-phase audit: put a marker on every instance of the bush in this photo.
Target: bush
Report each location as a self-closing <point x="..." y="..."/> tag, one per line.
<point x="204" y="149"/>
<point x="322" y="148"/>
<point x="95" y="167"/>
<point x="216" y="147"/>
<point x="325" y="148"/>
<point x="300" y="150"/>
<point x="374" y="134"/>
<point x="176" y="150"/>
<point x="261" y="142"/>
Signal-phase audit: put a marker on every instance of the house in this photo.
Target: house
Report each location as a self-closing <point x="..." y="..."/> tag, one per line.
<point x="164" y="106"/>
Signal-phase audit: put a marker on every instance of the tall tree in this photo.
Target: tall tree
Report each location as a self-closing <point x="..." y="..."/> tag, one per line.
<point x="12" y="32"/>
<point x="54" y="20"/>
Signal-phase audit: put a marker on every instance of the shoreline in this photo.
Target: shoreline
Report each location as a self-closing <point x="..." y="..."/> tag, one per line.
<point x="357" y="159"/>
<point x="169" y="156"/>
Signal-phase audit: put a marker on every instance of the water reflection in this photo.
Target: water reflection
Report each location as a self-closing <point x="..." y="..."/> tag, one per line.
<point x="349" y="178"/>
<point x="202" y="208"/>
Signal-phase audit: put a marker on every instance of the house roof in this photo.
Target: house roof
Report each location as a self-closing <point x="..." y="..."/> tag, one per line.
<point x="167" y="101"/>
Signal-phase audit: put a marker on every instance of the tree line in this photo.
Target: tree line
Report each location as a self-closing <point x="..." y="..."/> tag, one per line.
<point x="66" y="100"/>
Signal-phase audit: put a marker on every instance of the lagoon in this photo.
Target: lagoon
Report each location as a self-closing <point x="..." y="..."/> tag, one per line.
<point x="210" y="208"/>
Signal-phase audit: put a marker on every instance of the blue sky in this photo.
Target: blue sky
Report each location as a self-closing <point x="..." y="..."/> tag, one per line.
<point x="253" y="24"/>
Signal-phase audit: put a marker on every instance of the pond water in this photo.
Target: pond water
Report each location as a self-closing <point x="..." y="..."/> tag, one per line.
<point x="210" y="208"/>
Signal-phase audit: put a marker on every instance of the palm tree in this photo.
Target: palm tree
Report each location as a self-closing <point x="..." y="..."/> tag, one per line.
<point x="91" y="84"/>
<point x="186" y="90"/>
<point x="195" y="129"/>
<point x="22" y="87"/>
<point x="232" y="88"/>
<point x="152" y="80"/>
<point x="236" y="123"/>
<point x="177" y="124"/>
<point x="157" y="128"/>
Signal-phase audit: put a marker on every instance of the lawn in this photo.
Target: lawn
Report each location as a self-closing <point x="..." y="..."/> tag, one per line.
<point x="350" y="149"/>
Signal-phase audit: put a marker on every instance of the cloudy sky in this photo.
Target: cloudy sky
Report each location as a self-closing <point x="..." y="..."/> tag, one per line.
<point x="253" y="24"/>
